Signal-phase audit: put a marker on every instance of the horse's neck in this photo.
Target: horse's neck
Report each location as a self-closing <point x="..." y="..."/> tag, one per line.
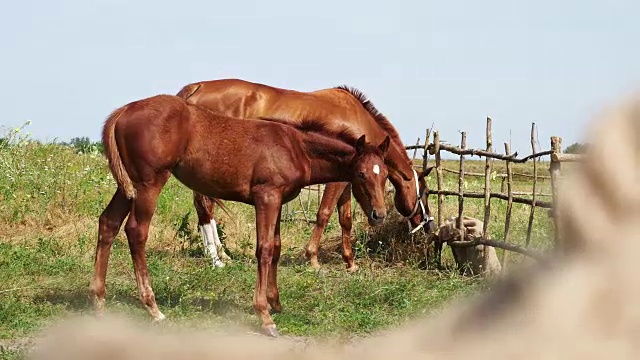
<point x="330" y="159"/>
<point x="401" y="169"/>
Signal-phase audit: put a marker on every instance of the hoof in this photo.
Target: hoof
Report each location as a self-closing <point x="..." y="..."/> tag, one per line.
<point x="99" y="306"/>
<point x="270" y="330"/>
<point x="314" y="264"/>
<point x="158" y="318"/>
<point x="218" y="263"/>
<point x="353" y="268"/>
<point x="223" y="255"/>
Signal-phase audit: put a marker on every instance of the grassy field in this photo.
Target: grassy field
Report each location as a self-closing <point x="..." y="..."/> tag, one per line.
<point x="50" y="200"/>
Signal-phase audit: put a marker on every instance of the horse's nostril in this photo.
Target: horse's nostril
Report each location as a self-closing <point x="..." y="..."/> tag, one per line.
<point x="375" y="215"/>
<point x="431" y="226"/>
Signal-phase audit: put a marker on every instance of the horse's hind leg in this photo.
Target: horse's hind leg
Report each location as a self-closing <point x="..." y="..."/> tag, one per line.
<point x="137" y="229"/>
<point x="108" y="226"/>
<point x="208" y="229"/>
<point x="216" y="239"/>
<point x="273" y="295"/>
<point x="344" y="217"/>
<point x="332" y="192"/>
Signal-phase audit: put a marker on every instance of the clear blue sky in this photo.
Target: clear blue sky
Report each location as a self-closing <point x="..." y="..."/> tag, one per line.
<point x="66" y="64"/>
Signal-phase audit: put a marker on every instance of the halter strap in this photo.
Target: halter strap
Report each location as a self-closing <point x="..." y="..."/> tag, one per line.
<point x="419" y="205"/>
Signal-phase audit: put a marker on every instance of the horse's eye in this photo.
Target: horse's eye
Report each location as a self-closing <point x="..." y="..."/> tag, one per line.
<point x="361" y="175"/>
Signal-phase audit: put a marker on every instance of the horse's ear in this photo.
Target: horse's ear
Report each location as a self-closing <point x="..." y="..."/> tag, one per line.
<point x="385" y="145"/>
<point x="425" y="173"/>
<point x="360" y="144"/>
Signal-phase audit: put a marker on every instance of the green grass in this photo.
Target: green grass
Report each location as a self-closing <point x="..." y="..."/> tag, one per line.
<point x="50" y="200"/>
<point x="189" y="291"/>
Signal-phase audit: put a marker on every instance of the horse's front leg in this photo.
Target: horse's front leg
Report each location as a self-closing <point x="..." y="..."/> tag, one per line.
<point x="344" y="217"/>
<point x="267" y="204"/>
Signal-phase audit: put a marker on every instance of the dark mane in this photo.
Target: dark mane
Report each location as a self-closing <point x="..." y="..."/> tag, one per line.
<point x="382" y="120"/>
<point x="315" y="126"/>
<point x="318" y="137"/>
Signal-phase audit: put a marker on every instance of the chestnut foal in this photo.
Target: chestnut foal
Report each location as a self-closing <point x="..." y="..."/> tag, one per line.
<point x="261" y="163"/>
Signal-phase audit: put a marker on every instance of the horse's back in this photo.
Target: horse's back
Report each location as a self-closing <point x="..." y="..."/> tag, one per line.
<point x="335" y="108"/>
<point x="227" y="152"/>
<point x="232" y="97"/>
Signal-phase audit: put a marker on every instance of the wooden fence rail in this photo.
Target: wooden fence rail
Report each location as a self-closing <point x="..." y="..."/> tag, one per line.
<point x="515" y="174"/>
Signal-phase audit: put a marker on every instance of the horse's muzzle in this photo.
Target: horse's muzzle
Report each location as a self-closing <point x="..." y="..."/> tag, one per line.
<point x="376" y="218"/>
<point x="431" y="227"/>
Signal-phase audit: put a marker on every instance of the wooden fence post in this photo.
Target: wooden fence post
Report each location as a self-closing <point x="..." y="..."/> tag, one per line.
<point x="415" y="152"/>
<point x="507" y="222"/>
<point x="425" y="152"/>
<point x="460" y="226"/>
<point x="430" y="248"/>
<point x="436" y="151"/>
<point x="487" y="190"/>
<point x="554" y="170"/>
<point x="535" y="181"/>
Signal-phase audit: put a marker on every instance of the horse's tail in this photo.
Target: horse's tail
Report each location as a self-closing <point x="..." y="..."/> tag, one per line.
<point x="113" y="155"/>
<point x="222" y="206"/>
<point x="188" y="90"/>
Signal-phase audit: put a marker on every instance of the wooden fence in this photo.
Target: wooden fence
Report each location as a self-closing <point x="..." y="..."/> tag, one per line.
<point x="436" y="147"/>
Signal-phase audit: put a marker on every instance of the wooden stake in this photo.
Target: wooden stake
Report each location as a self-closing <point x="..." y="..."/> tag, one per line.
<point x="436" y="151"/>
<point x="554" y="170"/>
<point x="507" y="222"/>
<point x="415" y="152"/>
<point x="309" y="195"/>
<point x="487" y="190"/>
<point x="304" y="212"/>
<point x="535" y="181"/>
<point x="460" y="226"/>
<point x="430" y="247"/>
<point x="425" y="153"/>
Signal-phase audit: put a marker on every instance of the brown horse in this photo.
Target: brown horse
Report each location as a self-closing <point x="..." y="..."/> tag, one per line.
<point x="341" y="108"/>
<point x="257" y="162"/>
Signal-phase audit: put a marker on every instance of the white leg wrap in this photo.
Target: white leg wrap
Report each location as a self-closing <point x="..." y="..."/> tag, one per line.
<point x="217" y="242"/>
<point x="203" y="235"/>
<point x="210" y="245"/>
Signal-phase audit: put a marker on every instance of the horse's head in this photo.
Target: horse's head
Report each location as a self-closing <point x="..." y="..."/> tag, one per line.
<point x="411" y="197"/>
<point x="369" y="177"/>
<point x="420" y="215"/>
